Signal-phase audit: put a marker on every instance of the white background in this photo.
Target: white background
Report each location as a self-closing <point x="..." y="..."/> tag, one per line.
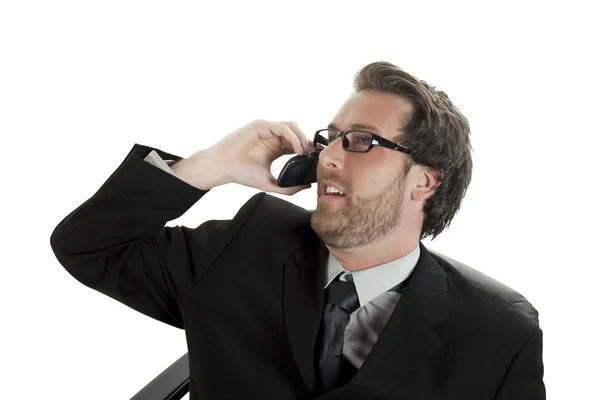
<point x="82" y="81"/>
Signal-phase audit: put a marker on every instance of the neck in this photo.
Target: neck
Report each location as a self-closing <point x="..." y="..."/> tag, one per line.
<point x="391" y="247"/>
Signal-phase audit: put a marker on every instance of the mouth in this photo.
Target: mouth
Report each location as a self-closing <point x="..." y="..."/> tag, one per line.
<point x="331" y="191"/>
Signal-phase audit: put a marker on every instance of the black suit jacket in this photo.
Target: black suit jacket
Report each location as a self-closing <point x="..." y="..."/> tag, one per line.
<point x="249" y="294"/>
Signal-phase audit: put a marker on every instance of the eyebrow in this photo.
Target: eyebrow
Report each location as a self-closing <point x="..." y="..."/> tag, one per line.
<point x="356" y="126"/>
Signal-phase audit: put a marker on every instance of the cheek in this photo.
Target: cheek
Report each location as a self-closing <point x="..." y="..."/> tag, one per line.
<point x="369" y="179"/>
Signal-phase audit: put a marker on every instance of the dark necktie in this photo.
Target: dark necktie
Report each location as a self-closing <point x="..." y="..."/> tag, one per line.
<point x="341" y="300"/>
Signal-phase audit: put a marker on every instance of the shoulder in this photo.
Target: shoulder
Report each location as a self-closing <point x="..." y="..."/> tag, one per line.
<point x="476" y="296"/>
<point x="278" y="207"/>
<point x="491" y="329"/>
<point x="265" y="217"/>
<point x="273" y="211"/>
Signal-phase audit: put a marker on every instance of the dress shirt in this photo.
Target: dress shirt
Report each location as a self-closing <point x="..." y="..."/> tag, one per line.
<point x="372" y="285"/>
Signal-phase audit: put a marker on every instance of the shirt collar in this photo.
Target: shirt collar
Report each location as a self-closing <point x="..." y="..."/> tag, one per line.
<point x="373" y="281"/>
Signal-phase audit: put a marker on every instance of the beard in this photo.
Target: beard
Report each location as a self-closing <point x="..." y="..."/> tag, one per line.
<point x="359" y="221"/>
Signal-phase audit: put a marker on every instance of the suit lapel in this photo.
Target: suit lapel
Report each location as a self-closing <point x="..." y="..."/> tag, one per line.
<point x="414" y="331"/>
<point x="303" y="298"/>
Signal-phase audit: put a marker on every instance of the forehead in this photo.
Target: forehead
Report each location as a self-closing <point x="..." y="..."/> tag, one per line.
<point x="386" y="112"/>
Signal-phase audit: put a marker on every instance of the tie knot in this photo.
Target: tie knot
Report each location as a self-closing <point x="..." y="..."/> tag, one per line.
<point x="342" y="294"/>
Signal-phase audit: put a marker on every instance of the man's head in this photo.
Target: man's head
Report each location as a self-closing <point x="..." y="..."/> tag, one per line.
<point x="387" y="191"/>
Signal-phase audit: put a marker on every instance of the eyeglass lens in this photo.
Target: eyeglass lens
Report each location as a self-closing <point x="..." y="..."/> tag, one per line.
<point x="353" y="140"/>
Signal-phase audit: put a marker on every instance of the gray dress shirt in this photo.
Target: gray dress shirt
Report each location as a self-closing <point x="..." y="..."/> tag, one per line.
<point x="372" y="285"/>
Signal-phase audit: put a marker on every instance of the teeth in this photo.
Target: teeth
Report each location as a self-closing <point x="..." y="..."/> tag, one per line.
<point x="331" y="189"/>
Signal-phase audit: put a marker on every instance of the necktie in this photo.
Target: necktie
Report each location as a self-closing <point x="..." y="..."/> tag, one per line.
<point x="341" y="300"/>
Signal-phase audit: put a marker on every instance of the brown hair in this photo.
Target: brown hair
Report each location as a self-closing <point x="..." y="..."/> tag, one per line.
<point x="437" y="131"/>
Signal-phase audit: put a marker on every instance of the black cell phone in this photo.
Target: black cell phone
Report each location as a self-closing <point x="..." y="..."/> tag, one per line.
<point x="299" y="170"/>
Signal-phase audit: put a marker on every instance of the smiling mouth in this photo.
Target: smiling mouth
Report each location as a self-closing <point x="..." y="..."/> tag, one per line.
<point x="333" y="190"/>
<point x="332" y="195"/>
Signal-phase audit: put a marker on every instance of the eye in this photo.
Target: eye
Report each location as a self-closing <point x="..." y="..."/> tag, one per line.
<point x="361" y="139"/>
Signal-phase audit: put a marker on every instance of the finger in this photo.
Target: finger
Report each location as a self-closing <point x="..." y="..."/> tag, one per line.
<point x="298" y="132"/>
<point x="284" y="131"/>
<point x="287" y="146"/>
<point x="284" y="150"/>
<point x="287" y="150"/>
<point x="267" y="130"/>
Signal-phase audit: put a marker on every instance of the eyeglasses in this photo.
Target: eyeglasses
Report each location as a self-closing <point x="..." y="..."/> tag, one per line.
<point x="356" y="141"/>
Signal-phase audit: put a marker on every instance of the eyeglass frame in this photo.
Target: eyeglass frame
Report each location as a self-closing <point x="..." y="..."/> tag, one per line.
<point x="376" y="141"/>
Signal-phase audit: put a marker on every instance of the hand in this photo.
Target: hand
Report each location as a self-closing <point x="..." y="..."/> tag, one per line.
<point x="245" y="156"/>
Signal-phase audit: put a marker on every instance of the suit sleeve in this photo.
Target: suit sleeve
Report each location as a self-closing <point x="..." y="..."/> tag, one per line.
<point x="117" y="243"/>
<point x="524" y="378"/>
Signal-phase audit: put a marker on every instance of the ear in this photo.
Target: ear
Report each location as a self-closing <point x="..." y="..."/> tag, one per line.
<point x="427" y="182"/>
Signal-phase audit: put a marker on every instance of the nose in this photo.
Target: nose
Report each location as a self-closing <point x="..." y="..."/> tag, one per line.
<point x="333" y="156"/>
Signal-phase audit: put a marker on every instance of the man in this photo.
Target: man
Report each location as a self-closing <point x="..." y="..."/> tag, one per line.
<point x="341" y="303"/>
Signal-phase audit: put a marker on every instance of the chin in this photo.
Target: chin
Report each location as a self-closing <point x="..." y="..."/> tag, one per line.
<point x="329" y="228"/>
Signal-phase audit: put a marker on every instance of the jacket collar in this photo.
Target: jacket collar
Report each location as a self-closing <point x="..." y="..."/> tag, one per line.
<point x="414" y="330"/>
<point x="372" y="282"/>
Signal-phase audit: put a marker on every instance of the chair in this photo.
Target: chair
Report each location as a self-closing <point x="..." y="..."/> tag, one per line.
<point x="172" y="384"/>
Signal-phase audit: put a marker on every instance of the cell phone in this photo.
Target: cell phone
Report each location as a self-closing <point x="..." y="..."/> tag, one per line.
<point x="299" y="170"/>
